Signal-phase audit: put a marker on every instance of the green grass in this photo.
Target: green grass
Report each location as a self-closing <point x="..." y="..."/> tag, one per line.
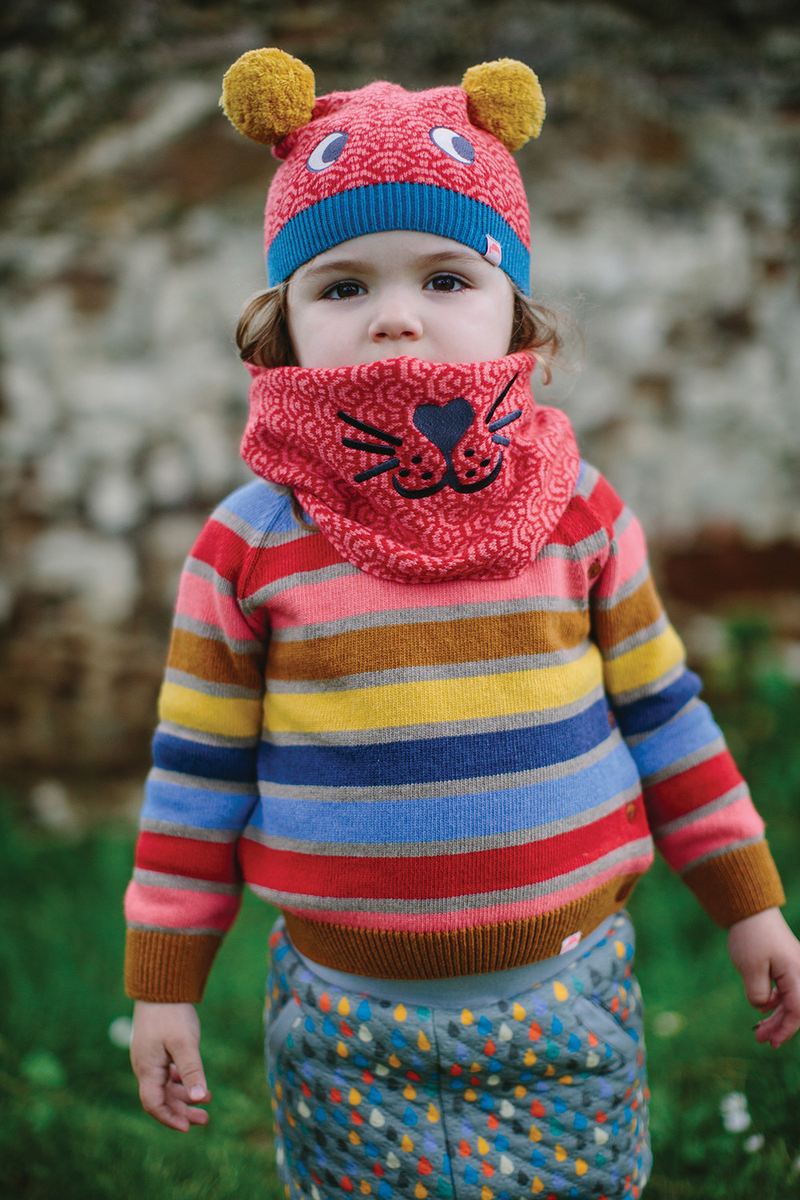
<point x="71" y="1126"/>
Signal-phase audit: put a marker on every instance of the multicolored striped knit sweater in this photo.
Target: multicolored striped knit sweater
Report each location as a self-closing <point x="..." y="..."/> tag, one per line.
<point x="429" y="780"/>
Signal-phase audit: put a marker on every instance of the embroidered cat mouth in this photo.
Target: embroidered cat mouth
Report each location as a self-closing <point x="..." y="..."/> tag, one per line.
<point x="444" y="427"/>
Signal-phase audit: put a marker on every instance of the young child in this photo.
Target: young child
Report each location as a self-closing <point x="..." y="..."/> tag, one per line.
<point x="422" y="696"/>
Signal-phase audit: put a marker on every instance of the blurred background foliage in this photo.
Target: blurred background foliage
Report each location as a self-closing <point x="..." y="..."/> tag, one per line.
<point x="665" y="197"/>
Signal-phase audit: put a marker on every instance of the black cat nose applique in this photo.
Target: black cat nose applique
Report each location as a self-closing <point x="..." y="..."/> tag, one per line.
<point x="446" y="427"/>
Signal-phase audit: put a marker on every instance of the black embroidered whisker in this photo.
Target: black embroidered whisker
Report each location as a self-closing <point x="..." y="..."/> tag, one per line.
<point x="501" y="441"/>
<point x="356" y="445"/>
<point x="373" y="471"/>
<point x="501" y="421"/>
<point x="362" y="425"/>
<point x="501" y="397"/>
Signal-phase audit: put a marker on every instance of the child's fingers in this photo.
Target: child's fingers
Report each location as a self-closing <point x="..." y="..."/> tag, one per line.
<point x="181" y="1092"/>
<point x="779" y="1027"/>
<point x="156" y="1101"/>
<point x="189" y="1067"/>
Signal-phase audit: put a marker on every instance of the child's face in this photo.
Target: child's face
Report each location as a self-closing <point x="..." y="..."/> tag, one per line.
<point x="388" y="295"/>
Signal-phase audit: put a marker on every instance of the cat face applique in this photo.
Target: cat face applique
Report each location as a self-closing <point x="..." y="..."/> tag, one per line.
<point x="472" y="451"/>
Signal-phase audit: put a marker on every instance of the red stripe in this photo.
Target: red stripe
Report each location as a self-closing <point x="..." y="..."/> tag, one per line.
<point x="305" y="554"/>
<point x="440" y="875"/>
<point x="688" y="790"/>
<point x="213" y="861"/>
<point x="605" y="504"/>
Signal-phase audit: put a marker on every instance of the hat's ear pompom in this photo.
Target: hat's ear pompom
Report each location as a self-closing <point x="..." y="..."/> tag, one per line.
<point x="505" y="98"/>
<point x="268" y="94"/>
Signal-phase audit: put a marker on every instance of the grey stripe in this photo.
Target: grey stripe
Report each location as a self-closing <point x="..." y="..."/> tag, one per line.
<point x="703" y="754"/>
<point x="588" y="482"/>
<point x="201" y="783"/>
<point x="640" y="638"/>
<point x="621" y="524"/>
<point x="582" y="549"/>
<point x="183" y="883"/>
<point x="532" y="891"/>
<point x="712" y="854"/>
<point x="740" y="792"/>
<point x="409" y="733"/>
<point x="207" y="687"/>
<point x="497" y="841"/>
<point x="215" y="634"/>
<point x="173" y="829"/>
<point x="255" y="537"/>
<point x="650" y="689"/>
<point x="428" y="615"/>
<point x="202" y="570"/>
<point x="189" y="931"/>
<point x="206" y="739"/>
<point x="443" y="788"/>
<point x="604" y="603"/>
<point x="430" y="674"/>
<point x="299" y="579"/>
<point x="636" y="739"/>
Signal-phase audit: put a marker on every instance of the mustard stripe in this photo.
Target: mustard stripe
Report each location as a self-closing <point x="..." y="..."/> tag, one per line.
<point x="418" y="703"/>
<point x="211" y="714"/>
<point x="645" y="663"/>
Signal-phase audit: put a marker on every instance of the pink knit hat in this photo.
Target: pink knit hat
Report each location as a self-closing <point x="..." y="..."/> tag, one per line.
<point x="382" y="158"/>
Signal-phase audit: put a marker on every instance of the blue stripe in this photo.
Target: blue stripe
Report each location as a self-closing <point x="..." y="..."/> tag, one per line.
<point x="383" y="206"/>
<point x="430" y="760"/>
<point x="195" y="806"/>
<point x="212" y="762"/>
<point x="443" y="818"/>
<point x="690" y="732"/>
<point x="266" y="510"/>
<point x="653" y="711"/>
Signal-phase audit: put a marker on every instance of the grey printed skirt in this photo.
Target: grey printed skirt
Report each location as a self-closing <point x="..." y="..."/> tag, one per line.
<point x="542" y="1093"/>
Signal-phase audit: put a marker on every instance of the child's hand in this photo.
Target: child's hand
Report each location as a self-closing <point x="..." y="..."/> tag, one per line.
<point x="766" y="954"/>
<point x="165" y="1053"/>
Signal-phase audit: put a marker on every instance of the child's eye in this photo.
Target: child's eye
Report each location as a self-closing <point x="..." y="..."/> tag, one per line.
<point x="446" y="283"/>
<point x="344" y="290"/>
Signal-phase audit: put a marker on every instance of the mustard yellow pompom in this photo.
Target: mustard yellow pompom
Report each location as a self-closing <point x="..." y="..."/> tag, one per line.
<point x="505" y="97"/>
<point x="267" y="94"/>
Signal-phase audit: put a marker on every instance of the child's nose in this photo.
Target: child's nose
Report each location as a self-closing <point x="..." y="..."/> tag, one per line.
<point x="395" y="320"/>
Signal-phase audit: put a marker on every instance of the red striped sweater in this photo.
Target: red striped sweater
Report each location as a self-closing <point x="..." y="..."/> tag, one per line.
<point x="429" y="780"/>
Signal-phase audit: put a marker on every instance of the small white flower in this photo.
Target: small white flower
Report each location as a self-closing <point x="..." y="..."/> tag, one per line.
<point x="754" y="1143"/>
<point x="120" y="1032"/>
<point x="735" y="1116"/>
<point x="667" y="1024"/>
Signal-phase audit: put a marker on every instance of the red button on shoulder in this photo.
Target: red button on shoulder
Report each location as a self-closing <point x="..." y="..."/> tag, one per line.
<point x="630" y="810"/>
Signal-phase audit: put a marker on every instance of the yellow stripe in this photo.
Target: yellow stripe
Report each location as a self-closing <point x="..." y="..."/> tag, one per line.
<point x="435" y="700"/>
<point x="210" y="714"/>
<point x="645" y="663"/>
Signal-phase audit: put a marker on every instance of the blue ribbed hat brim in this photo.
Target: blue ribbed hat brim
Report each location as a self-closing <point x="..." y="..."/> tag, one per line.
<point x="379" y="207"/>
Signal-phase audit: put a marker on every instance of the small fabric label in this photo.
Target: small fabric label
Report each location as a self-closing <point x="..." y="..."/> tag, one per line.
<point x="493" y="252"/>
<point x="569" y="943"/>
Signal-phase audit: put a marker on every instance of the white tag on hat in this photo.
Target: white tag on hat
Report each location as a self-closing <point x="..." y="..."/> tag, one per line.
<point x="569" y="943"/>
<point x="493" y="252"/>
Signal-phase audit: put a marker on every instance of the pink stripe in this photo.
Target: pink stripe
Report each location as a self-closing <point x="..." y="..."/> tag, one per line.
<point x="631" y="554"/>
<point x="179" y="908"/>
<point x="353" y="595"/>
<point x="711" y="834"/>
<point x="199" y="599"/>
<point x="464" y="918"/>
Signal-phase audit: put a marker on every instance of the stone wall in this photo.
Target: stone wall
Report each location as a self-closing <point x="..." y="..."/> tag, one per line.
<point x="665" y="194"/>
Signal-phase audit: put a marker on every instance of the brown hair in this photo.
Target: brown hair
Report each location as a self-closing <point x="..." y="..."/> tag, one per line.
<point x="262" y="334"/>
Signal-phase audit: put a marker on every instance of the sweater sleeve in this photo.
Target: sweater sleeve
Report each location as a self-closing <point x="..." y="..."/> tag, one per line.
<point x="698" y="805"/>
<point x="186" y="887"/>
